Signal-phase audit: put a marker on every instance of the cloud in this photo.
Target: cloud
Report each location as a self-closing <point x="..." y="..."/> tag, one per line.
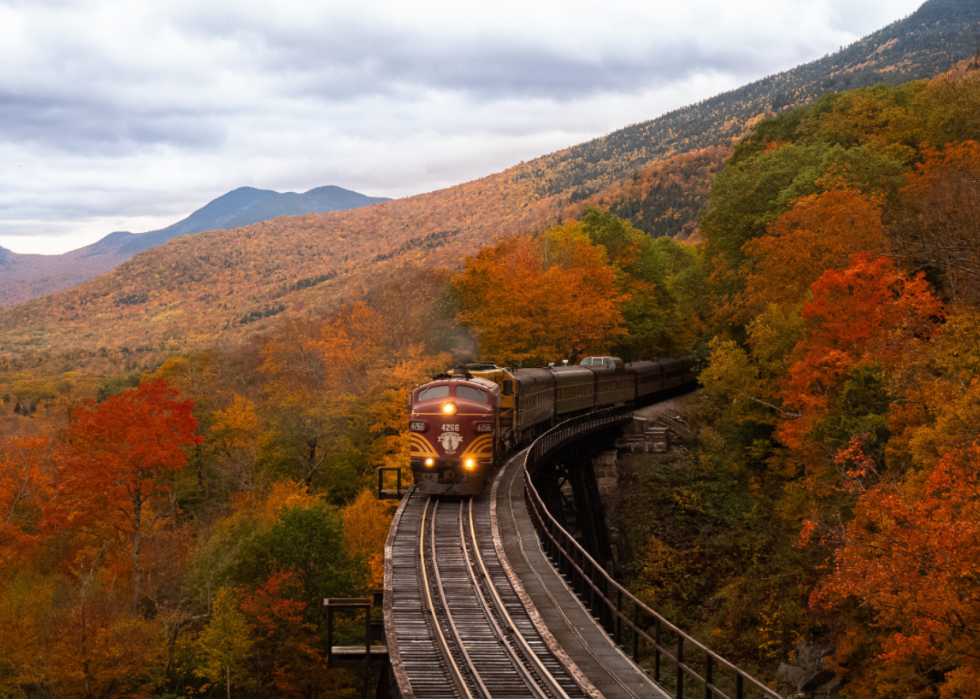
<point x="135" y="113"/>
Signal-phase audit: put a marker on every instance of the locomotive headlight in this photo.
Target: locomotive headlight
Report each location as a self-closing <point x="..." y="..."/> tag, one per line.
<point x="429" y="462"/>
<point x="470" y="464"/>
<point x="449" y="408"/>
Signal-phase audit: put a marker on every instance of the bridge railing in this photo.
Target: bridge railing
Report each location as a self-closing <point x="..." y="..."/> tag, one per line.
<point x="650" y="637"/>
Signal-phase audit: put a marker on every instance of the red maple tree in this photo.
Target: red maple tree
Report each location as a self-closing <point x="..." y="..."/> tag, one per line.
<point x="118" y="453"/>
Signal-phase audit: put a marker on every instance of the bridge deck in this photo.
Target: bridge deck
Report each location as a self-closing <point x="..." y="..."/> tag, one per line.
<point x="561" y="640"/>
<point x="572" y="632"/>
<point x="443" y="641"/>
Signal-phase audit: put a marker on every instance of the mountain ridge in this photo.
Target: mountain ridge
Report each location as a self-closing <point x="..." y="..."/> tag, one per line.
<point x="29" y="276"/>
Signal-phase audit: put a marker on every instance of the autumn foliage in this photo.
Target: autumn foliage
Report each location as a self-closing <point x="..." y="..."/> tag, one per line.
<point x="820" y="232"/>
<point x="911" y="556"/>
<point x="586" y="287"/>
<point x="537" y="301"/>
<point x="171" y="531"/>
<point x="843" y="376"/>
<point x="870" y="313"/>
<point x="25" y="479"/>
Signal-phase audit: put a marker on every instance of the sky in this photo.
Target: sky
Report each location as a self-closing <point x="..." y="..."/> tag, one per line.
<point x="129" y="115"/>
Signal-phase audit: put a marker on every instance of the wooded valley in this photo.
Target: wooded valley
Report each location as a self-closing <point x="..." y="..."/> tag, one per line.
<point x="176" y="501"/>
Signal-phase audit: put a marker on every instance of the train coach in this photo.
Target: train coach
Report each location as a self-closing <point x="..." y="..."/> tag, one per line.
<point x="464" y="421"/>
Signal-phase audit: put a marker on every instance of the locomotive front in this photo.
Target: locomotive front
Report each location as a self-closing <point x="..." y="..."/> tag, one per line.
<point x="454" y="428"/>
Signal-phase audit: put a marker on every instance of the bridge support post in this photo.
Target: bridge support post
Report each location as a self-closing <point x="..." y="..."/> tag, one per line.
<point x="680" y="667"/>
<point x="370" y="659"/>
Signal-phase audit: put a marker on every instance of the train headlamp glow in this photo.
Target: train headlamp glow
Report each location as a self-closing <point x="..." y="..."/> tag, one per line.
<point x="470" y="463"/>
<point x="449" y="409"/>
<point x="429" y="462"/>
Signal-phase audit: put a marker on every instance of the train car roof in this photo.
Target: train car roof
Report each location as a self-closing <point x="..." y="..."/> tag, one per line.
<point x="567" y="368"/>
<point x="534" y="376"/>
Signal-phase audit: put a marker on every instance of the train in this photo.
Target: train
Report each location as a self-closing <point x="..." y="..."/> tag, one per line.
<point x="466" y="420"/>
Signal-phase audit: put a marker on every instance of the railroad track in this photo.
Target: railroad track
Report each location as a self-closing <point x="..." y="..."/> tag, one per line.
<point x="461" y="629"/>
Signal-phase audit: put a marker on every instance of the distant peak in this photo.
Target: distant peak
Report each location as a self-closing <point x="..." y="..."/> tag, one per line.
<point x="247" y="191"/>
<point x="250" y="189"/>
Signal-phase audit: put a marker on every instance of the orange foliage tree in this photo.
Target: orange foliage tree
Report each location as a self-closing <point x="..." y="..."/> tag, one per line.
<point x="941" y="225"/>
<point x="286" y="652"/>
<point x="315" y="367"/>
<point x="869" y="313"/>
<point x="911" y="559"/>
<point x="99" y="649"/>
<point x="366" y="524"/>
<point x="24" y="480"/>
<point x="822" y="231"/>
<point x="531" y="301"/>
<point x="235" y="434"/>
<point x="118" y="455"/>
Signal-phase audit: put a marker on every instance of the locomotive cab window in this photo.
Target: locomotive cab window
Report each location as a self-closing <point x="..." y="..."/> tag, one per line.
<point x="433" y="392"/>
<point x="473" y="394"/>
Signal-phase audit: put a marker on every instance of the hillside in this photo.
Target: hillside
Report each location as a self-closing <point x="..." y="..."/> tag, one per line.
<point x="928" y="42"/>
<point x="24" y="277"/>
<point x="232" y="283"/>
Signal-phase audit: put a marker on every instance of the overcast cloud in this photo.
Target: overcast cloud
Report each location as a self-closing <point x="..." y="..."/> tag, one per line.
<point x="129" y="115"/>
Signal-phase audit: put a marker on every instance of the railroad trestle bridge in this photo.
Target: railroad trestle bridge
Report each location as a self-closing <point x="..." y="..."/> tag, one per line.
<point x="490" y="596"/>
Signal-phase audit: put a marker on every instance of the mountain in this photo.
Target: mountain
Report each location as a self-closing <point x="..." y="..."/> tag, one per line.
<point x="230" y="284"/>
<point x="23" y="277"/>
<point x="928" y="42"/>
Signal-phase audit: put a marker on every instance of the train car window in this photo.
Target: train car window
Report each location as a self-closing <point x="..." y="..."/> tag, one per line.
<point x="508" y="388"/>
<point x="433" y="392"/>
<point x="473" y="394"/>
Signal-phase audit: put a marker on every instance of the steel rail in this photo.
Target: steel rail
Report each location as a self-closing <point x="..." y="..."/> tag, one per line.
<point x="447" y="652"/>
<point x="513" y="632"/>
<point x="552" y="536"/>
<point x="515" y="659"/>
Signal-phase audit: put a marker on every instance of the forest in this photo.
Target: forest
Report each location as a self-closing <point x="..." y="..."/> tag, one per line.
<point x="169" y="524"/>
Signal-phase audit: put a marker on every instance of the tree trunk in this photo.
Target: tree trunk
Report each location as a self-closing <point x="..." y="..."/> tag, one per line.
<point x="137" y="553"/>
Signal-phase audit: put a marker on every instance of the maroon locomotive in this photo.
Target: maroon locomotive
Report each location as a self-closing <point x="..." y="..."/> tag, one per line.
<point x="454" y="429"/>
<point x="462" y="422"/>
